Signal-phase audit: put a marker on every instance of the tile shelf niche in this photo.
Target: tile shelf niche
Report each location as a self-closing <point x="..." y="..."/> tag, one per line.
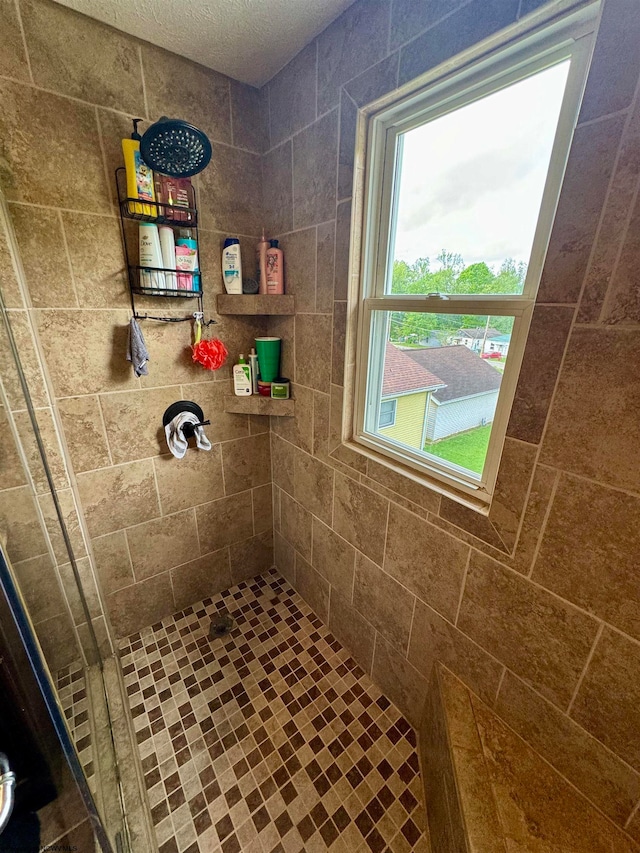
<point x="256" y="405"/>
<point x="250" y="304"/>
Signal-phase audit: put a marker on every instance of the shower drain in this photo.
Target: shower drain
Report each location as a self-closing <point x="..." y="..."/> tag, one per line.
<point x="221" y="625"/>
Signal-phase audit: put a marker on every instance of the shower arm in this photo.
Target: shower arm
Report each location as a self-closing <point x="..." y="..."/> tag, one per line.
<point x="7" y="790"/>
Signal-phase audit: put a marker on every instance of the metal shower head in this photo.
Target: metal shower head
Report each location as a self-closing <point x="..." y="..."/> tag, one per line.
<point x="175" y="147"/>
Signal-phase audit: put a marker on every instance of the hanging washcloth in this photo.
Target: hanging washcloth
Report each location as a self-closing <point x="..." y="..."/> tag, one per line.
<point x="137" y="350"/>
<point x="176" y="440"/>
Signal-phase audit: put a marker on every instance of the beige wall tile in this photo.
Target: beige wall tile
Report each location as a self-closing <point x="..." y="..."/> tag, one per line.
<point x="58" y="641"/>
<point x="194" y="479"/>
<point x="360" y="517"/>
<point x="112" y="560"/>
<point x="117" y="497"/>
<point x="295" y="523"/>
<point x="163" y="543"/>
<point x="231" y="194"/>
<point x="533" y="519"/>
<point x="141" y="604"/>
<point x="608" y="702"/>
<point x="425" y="560"/>
<point x="338" y="342"/>
<point x="133" y="422"/>
<point x="43" y="255"/>
<point x="278" y="195"/>
<point x="86" y="351"/>
<point x="313" y="351"/>
<point x="313" y="485"/>
<point x="40" y="588"/>
<point x="71" y="522"/>
<point x="12" y="473"/>
<point x="45" y="137"/>
<point x="202" y="98"/>
<point x="224" y="521"/>
<point x="72" y="592"/>
<point x="13" y="62"/>
<point x="599" y="386"/>
<point x="170" y="355"/>
<point x="99" y="276"/>
<point x="246" y="462"/>
<point x="299" y="266"/>
<point x="434" y="639"/>
<point x="252" y="557"/>
<point x="540" y="637"/>
<point x="284" y="557"/>
<point x="84" y="433"/>
<point x="383" y="602"/>
<point x="313" y="588"/>
<point x="403" y="486"/>
<point x="292" y="101"/>
<point x="298" y="429"/>
<point x="589" y="552"/>
<point x="23" y="336"/>
<point x="262" y="509"/>
<point x="249" y="116"/>
<point x="325" y="252"/>
<point x="604" y="779"/>
<point x="209" y="396"/>
<point x="20" y="530"/>
<point x="403" y="684"/>
<point x="78" y="56"/>
<point x="354" y="632"/>
<point x="11" y="292"/>
<point x="333" y="558"/>
<point x="53" y="451"/>
<point x="512" y="485"/>
<point x="201" y="578"/>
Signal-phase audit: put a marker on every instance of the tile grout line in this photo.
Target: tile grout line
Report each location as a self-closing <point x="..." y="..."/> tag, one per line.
<point x="462" y="588"/>
<point x="587" y="663"/>
<point x="24" y="41"/>
<point x="543" y="525"/>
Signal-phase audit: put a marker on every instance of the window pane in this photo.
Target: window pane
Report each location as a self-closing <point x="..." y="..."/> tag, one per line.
<point x="440" y="375"/>
<point x="470" y="188"/>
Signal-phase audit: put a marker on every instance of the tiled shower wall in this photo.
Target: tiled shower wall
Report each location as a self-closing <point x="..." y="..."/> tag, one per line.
<point x="535" y="608"/>
<point x="164" y="533"/>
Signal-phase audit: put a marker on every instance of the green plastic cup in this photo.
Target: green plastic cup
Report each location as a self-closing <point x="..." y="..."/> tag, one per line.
<point x="268" y="350"/>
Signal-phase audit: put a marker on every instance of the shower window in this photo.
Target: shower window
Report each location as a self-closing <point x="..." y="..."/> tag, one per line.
<point x="462" y="182"/>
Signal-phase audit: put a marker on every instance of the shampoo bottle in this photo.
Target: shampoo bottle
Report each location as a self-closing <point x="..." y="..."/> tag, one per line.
<point x="275" y="271"/>
<point x="139" y="175"/>
<point x="261" y="263"/>
<point x="150" y="257"/>
<point x="242" y="378"/>
<point x="232" y="265"/>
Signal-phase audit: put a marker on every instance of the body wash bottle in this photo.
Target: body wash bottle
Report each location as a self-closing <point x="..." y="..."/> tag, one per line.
<point x="139" y="175"/>
<point x="242" y="378"/>
<point x="275" y="269"/>
<point x="150" y="257"/>
<point x="261" y="263"/>
<point x="232" y="265"/>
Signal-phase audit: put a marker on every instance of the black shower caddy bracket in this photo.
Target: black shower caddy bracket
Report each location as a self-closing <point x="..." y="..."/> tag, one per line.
<point x="178" y="408"/>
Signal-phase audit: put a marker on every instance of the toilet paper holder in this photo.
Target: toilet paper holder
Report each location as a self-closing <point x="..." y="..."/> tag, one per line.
<point x="178" y="408"/>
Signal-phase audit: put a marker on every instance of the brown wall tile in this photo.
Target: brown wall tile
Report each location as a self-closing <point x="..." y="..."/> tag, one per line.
<point x="78" y="56"/>
<point x="313" y="485"/>
<point x="133" y="422"/>
<point x="262" y="509"/>
<point x="313" y="588"/>
<point x="99" y="277"/>
<point x="589" y="552"/>
<point x="22" y="536"/>
<point x="71" y="521"/>
<point x="313" y="351"/>
<point x="224" y="521"/>
<point x="278" y="190"/>
<point x="608" y="702"/>
<point x="292" y="96"/>
<point x="34" y="576"/>
<point x="58" y="641"/>
<point x="425" y="560"/>
<point x="231" y="194"/>
<point x="117" y="497"/>
<point x="299" y="266"/>
<point x="246" y="462"/>
<point x="542" y="638"/>
<point x="112" y="561"/>
<point x="354" y="632"/>
<point x="249" y="116"/>
<point x="399" y="680"/>
<point x="201" y="578"/>
<point x="284" y="556"/>
<point x="599" y="385"/>
<point x="333" y="558"/>
<point x="360" y="517"/>
<point x="203" y="98"/>
<point x="622" y="304"/>
<point x="252" y="557"/>
<point x="84" y="433"/>
<point x="298" y="429"/>
<point x="73" y="591"/>
<point x="434" y="639"/>
<point x="282" y="459"/>
<point x="314" y="172"/>
<point x="194" y="479"/>
<point x="140" y="604"/>
<point x="386" y="604"/>
<point x="603" y="778"/>
<point x="162" y="543"/>
<point x="13" y="62"/>
<point x="295" y="524"/>
<point x="325" y="253"/>
<point x="512" y="485"/>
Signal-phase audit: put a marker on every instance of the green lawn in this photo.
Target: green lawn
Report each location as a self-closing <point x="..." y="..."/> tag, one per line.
<point x="468" y="449"/>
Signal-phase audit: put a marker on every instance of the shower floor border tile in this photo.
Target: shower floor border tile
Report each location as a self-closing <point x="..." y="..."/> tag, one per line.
<point x="269" y="739"/>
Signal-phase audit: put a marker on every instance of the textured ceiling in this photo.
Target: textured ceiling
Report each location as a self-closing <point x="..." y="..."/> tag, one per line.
<point x="249" y="40"/>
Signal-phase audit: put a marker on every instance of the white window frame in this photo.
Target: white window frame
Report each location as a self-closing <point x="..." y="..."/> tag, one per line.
<point x="394" y="412"/>
<point x="570" y="37"/>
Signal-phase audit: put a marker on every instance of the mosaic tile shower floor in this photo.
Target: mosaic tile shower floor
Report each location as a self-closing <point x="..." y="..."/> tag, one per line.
<point x="72" y="693"/>
<point x="271" y="738"/>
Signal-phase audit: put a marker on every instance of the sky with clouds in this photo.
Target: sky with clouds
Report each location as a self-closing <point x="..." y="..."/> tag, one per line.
<point x="472" y="180"/>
